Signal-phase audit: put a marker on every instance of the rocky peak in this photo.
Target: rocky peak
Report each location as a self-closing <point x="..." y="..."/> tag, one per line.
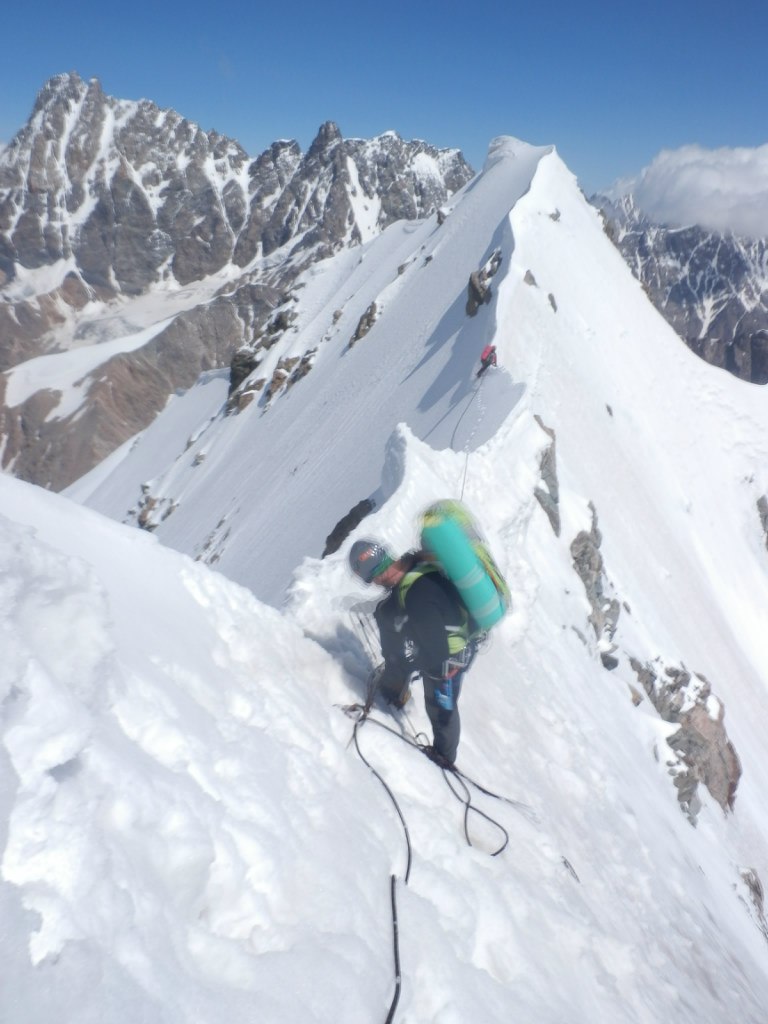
<point x="40" y="155"/>
<point x="422" y="173"/>
<point x="114" y="198"/>
<point x="116" y="185"/>
<point x="327" y="137"/>
<point x="67" y="87"/>
<point x="135" y="194"/>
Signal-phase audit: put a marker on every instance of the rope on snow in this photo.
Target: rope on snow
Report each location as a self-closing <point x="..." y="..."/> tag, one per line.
<point x="363" y="715"/>
<point x="475" y="393"/>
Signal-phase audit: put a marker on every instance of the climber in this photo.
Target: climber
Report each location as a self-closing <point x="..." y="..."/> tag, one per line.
<point x="487" y="358"/>
<point x="424" y="629"/>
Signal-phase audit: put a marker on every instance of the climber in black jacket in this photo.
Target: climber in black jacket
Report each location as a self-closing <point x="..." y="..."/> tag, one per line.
<point x="424" y="628"/>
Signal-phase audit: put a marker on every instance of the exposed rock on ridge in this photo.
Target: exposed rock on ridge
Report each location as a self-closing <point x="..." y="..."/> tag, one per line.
<point x="762" y="511"/>
<point x="705" y="754"/>
<point x="548" y="495"/>
<point x="588" y="563"/>
<point x="698" y="751"/>
<point x="479" y="288"/>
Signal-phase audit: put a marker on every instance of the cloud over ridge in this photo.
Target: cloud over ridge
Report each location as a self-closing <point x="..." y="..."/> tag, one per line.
<point x="724" y="189"/>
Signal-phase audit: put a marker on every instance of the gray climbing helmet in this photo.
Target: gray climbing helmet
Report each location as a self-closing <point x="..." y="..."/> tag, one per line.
<point x="369" y="559"/>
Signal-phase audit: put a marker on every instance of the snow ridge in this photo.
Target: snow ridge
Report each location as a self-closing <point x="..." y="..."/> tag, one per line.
<point x="184" y="816"/>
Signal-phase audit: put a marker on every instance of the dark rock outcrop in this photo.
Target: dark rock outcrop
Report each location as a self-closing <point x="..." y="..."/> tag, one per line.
<point x="244" y="362"/>
<point x="703" y="752"/>
<point x="479" y="287"/>
<point x="605" y="610"/>
<point x="346" y="525"/>
<point x="755" y="898"/>
<point x="762" y="511"/>
<point x="548" y="496"/>
<point x="365" y="323"/>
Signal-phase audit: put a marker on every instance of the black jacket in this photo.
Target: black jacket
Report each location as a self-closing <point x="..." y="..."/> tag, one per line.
<point x="414" y="638"/>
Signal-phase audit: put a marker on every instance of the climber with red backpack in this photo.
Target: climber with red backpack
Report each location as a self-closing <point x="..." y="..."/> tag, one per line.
<point x="487" y="358"/>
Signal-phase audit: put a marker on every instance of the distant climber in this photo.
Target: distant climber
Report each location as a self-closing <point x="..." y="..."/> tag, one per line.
<point x="487" y="358"/>
<point x="424" y="628"/>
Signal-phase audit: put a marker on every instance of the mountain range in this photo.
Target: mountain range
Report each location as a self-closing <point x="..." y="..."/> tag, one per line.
<point x="118" y="217"/>
<point x="711" y="287"/>
<point x="168" y="251"/>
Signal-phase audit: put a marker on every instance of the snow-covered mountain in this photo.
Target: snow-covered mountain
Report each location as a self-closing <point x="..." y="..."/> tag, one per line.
<point x="190" y="833"/>
<point x="711" y="287"/>
<point x="163" y="249"/>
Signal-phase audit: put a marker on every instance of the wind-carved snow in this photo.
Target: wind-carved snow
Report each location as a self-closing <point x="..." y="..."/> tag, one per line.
<point x="422" y="353"/>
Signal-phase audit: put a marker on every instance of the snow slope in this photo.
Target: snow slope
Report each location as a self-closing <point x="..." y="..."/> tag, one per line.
<point x="416" y="366"/>
<point x="190" y="834"/>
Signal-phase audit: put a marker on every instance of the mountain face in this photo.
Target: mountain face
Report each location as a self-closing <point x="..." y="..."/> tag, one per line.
<point x="710" y="287"/>
<point x="105" y="203"/>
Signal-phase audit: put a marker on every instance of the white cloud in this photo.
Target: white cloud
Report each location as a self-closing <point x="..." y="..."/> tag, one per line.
<point x="720" y="189"/>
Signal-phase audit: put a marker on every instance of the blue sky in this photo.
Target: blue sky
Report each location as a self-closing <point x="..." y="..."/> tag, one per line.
<point x="609" y="85"/>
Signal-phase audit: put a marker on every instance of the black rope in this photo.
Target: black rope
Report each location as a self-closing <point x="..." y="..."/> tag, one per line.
<point x="364" y="717"/>
<point x="422" y="745"/>
<point x="525" y="809"/>
<point x="464" y="780"/>
<point x="366" y="633"/>
<point x="409" y="857"/>
<point x="475" y="392"/>
<point x="396" y="942"/>
<point x="466" y="800"/>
